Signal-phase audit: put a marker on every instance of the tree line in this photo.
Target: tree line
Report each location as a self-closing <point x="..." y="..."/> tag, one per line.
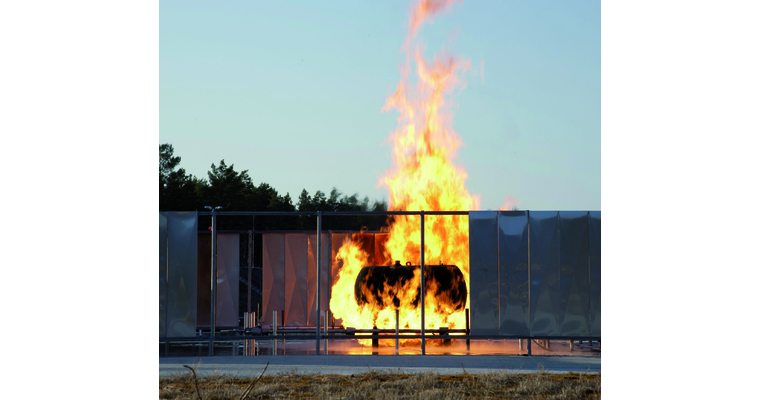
<point x="235" y="191"/>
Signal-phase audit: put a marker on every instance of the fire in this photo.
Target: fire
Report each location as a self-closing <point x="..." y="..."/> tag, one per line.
<point x="424" y="177"/>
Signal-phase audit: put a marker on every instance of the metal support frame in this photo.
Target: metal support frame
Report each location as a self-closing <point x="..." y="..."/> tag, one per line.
<point x="211" y="338"/>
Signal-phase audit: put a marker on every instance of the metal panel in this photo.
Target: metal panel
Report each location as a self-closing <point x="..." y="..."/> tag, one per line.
<point x="182" y="272"/>
<point x="367" y="243"/>
<point x="204" y="280"/>
<point x="545" y="307"/>
<point x="163" y="236"/>
<point x="514" y="299"/>
<point x="228" y="279"/>
<point x="484" y="273"/>
<point x="325" y="282"/>
<point x="574" y="273"/>
<point x="595" y="269"/>
<point x="381" y="254"/>
<point x="273" y="276"/>
<point x="336" y="241"/>
<point x="296" y="279"/>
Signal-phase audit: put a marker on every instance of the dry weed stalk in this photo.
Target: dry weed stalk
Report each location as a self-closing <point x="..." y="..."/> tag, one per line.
<point x="195" y="379"/>
<point x="248" y="390"/>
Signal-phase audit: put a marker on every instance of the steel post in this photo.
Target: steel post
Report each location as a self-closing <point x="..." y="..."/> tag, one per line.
<point x="274" y="331"/>
<point x="467" y="326"/>
<point x="397" y="331"/>
<point x="422" y="277"/>
<point x="250" y="259"/>
<point x="213" y="283"/>
<point x="319" y="272"/>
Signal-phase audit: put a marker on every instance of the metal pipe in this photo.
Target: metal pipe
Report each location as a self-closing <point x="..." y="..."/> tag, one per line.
<point x="245" y="327"/>
<point x="274" y="330"/>
<point x="397" y="331"/>
<point x="326" y="318"/>
<point x="422" y="276"/>
<point x="319" y="272"/>
<point x="467" y="325"/>
<point x="530" y="352"/>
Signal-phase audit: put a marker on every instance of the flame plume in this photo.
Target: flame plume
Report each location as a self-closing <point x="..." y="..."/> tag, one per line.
<point x="423" y="177"/>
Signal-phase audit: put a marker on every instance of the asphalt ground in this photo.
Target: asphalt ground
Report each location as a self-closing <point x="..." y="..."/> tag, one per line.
<point x="251" y="366"/>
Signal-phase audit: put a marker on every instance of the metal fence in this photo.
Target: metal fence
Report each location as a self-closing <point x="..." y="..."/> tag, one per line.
<point x="533" y="275"/>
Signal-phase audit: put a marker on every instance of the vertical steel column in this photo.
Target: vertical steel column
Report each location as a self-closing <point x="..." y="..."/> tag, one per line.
<point x="274" y="331"/>
<point x="319" y="272"/>
<point x="530" y="318"/>
<point x="250" y="259"/>
<point x="213" y="283"/>
<point x="467" y="326"/>
<point x="325" y="331"/>
<point x="397" y="331"/>
<point x="422" y="276"/>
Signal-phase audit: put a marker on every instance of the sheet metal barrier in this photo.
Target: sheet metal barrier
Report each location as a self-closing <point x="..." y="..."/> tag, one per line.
<point x="163" y="278"/>
<point x="336" y="242"/>
<point x="180" y="243"/>
<point x="545" y="307"/>
<point x="548" y="273"/>
<point x="595" y="272"/>
<point x="228" y="274"/>
<point x="272" y="276"/>
<point x="296" y="279"/>
<point x="227" y="284"/>
<point x="325" y="278"/>
<point x="536" y="273"/>
<point x="514" y="300"/>
<point x="484" y="273"/>
<point x="574" y="273"/>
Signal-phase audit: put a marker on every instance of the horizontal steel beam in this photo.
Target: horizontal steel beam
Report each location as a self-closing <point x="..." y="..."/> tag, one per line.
<point x="332" y="213"/>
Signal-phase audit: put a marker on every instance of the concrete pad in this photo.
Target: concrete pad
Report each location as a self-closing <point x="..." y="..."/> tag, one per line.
<point x="251" y="366"/>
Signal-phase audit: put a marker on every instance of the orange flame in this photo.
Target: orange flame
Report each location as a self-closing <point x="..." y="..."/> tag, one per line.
<point x="423" y="178"/>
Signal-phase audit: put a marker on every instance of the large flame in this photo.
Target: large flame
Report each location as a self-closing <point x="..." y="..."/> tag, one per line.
<point x="424" y="177"/>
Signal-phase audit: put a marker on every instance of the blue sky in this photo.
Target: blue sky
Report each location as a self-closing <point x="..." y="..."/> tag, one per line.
<point x="293" y="93"/>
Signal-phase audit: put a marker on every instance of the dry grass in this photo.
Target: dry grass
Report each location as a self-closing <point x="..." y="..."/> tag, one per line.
<point x="375" y="385"/>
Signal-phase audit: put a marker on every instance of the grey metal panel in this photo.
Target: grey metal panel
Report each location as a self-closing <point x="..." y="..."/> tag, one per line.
<point x="545" y="311"/>
<point x="595" y="268"/>
<point x="228" y="278"/>
<point x="182" y="273"/>
<point x="204" y="281"/>
<point x="273" y="275"/>
<point x="514" y="299"/>
<point x="574" y="273"/>
<point x="325" y="283"/>
<point x="296" y="279"/>
<point x="484" y="273"/>
<point x="163" y="235"/>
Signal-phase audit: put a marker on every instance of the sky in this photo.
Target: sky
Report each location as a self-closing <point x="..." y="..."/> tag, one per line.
<point x="294" y="93"/>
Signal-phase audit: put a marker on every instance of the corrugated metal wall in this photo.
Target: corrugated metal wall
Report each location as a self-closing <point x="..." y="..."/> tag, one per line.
<point x="531" y="273"/>
<point x="544" y="267"/>
<point x="177" y="255"/>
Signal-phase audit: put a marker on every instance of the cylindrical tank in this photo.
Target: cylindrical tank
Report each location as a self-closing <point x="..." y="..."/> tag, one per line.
<point x="373" y="282"/>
